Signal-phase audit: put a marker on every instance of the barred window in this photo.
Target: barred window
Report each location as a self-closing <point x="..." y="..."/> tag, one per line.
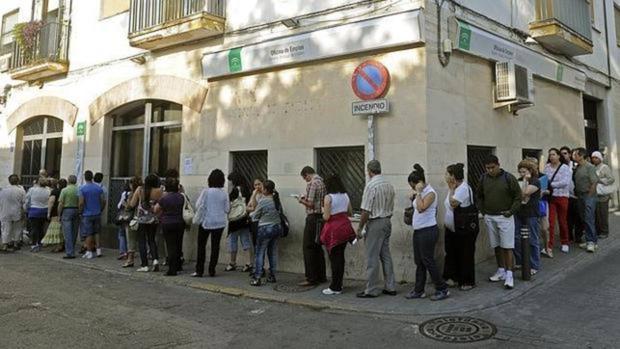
<point x="531" y="153"/>
<point x="475" y="163"/>
<point x="250" y="164"/>
<point x="348" y="163"/>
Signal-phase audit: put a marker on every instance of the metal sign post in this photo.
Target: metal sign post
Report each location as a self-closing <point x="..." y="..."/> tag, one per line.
<point x="371" y="137"/>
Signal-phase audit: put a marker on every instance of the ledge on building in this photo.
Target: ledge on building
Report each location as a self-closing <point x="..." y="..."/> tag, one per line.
<point x="558" y="38"/>
<point x="38" y="71"/>
<point x="198" y="26"/>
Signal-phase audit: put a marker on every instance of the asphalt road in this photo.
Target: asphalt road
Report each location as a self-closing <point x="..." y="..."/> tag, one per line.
<point x="50" y="304"/>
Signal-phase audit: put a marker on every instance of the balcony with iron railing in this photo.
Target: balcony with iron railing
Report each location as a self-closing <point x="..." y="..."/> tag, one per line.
<point x="43" y="55"/>
<point x="563" y="26"/>
<point x="155" y="24"/>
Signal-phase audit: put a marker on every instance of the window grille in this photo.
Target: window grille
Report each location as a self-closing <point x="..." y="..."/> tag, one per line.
<point x="250" y="164"/>
<point x="348" y="163"/>
<point x="475" y="163"/>
<point x="531" y="153"/>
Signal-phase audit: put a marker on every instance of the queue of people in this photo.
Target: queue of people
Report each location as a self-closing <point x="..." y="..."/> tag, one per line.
<point x="572" y="192"/>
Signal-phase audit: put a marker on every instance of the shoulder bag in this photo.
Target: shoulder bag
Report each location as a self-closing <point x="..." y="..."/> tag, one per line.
<point x="237" y="208"/>
<point x="188" y="210"/>
<point x="466" y="218"/>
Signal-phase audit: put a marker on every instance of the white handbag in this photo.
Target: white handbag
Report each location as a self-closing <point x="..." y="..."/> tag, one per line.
<point x="237" y="208"/>
<point x="188" y="211"/>
<point x="605" y="190"/>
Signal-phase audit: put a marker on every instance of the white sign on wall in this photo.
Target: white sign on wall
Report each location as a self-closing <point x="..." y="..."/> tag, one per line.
<point x="375" y="106"/>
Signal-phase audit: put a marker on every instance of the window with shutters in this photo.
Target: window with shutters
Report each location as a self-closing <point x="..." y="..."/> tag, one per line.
<point x="348" y="164"/>
<point x="475" y="163"/>
<point x="8" y="22"/>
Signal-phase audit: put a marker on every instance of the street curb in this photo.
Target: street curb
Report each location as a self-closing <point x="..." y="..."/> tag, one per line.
<point x="322" y="306"/>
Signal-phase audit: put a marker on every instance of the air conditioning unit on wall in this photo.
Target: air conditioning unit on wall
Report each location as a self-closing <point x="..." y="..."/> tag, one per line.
<point x="514" y="87"/>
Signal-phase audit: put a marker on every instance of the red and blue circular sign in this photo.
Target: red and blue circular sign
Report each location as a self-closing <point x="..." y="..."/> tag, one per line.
<point x="371" y="80"/>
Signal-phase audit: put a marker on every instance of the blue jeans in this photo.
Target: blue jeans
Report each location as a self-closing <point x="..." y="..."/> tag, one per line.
<point x="122" y="238"/>
<point x="587" y="211"/>
<point x="532" y="224"/>
<point x="70" y="223"/>
<point x="266" y="240"/>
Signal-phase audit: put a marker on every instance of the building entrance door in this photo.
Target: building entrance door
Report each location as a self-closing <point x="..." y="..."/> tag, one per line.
<point x="590" y="107"/>
<point x="146" y="138"/>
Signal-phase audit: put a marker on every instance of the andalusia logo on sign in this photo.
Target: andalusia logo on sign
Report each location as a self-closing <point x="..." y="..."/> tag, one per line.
<point x="234" y="60"/>
<point x="464" y="36"/>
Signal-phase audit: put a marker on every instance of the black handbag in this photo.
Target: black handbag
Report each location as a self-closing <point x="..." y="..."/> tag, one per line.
<point x="408" y="215"/>
<point x="466" y="218"/>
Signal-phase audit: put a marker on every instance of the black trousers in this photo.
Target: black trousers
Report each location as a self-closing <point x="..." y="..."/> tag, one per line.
<point x="424" y="241"/>
<point x="314" y="261"/>
<point x="173" y="234"/>
<point x="37" y="229"/>
<point x="602" y="217"/>
<point x="460" y="259"/>
<point x="575" y="223"/>
<point x="203" y="236"/>
<point x="146" y="235"/>
<point x="336" y="259"/>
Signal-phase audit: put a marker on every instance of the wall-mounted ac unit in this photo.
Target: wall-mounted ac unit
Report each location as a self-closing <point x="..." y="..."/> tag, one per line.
<point x="514" y="86"/>
<point x="5" y="63"/>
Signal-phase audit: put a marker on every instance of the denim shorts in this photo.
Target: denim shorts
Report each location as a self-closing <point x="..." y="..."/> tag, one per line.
<point x="241" y="234"/>
<point x="90" y="226"/>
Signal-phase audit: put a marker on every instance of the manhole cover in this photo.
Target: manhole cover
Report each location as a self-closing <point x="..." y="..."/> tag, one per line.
<point x="291" y="288"/>
<point x="457" y="329"/>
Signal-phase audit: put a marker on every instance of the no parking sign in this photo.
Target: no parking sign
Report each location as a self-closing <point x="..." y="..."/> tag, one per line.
<point x="371" y="80"/>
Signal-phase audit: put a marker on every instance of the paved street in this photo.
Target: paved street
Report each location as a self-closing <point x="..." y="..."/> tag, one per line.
<point x="47" y="303"/>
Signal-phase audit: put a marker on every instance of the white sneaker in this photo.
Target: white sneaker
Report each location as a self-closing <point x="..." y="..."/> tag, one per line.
<point x="498" y="276"/>
<point x="583" y="245"/>
<point x="143" y="269"/>
<point x="590" y="247"/>
<point x="565" y="248"/>
<point x="533" y="272"/>
<point x="90" y="255"/>
<point x="509" y="283"/>
<point x="99" y="253"/>
<point x="85" y="255"/>
<point x="328" y="291"/>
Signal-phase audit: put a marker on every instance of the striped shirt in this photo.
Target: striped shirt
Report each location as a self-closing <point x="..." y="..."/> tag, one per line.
<point x="378" y="198"/>
<point x="315" y="192"/>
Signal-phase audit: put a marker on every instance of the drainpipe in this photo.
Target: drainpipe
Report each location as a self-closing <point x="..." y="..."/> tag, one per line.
<point x="444" y="57"/>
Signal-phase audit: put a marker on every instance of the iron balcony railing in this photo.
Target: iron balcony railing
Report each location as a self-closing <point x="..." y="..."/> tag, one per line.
<point x="49" y="45"/>
<point x="145" y="14"/>
<point x="574" y="14"/>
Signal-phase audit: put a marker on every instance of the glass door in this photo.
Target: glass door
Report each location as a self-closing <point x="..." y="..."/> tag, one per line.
<point x="41" y="148"/>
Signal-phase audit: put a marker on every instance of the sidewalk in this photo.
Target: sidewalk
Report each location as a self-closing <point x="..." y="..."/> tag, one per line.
<point x="485" y="295"/>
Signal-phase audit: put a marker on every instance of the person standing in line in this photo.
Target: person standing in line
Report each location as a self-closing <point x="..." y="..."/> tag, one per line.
<point x="121" y="233"/>
<point x="36" y="205"/>
<point x="257" y="194"/>
<point x="132" y="235"/>
<point x="499" y="198"/>
<point x="12" y="200"/>
<point x="91" y="204"/>
<point x="174" y="173"/>
<point x="586" y="179"/>
<point x="575" y="223"/>
<point x="557" y="195"/>
<point x="172" y="224"/>
<point x="337" y="231"/>
<point x="377" y="209"/>
<point x="543" y="209"/>
<point x="54" y="236"/>
<point x="267" y="213"/>
<point x="212" y="210"/>
<point x="605" y="189"/>
<point x="528" y="214"/>
<point x="460" y="241"/>
<point x="68" y="211"/>
<point x="144" y="200"/>
<point x="239" y="227"/>
<point x="98" y="179"/>
<point x="425" y="236"/>
<point x="314" y="261"/>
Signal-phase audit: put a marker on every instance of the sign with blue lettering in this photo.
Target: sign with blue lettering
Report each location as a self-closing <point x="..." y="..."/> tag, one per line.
<point x="370" y="80"/>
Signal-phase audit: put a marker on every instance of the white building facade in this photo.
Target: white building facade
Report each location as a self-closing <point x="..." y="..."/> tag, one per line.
<point x="264" y="87"/>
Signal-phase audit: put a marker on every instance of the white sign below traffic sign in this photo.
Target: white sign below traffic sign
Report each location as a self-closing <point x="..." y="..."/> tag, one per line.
<point x="375" y="106"/>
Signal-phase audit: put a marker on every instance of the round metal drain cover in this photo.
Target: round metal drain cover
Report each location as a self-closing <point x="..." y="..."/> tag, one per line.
<point x="457" y="329"/>
<point x="291" y="287"/>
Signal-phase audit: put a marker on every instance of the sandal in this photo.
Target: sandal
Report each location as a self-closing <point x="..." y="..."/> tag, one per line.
<point x="247" y="268"/>
<point x="231" y="267"/>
